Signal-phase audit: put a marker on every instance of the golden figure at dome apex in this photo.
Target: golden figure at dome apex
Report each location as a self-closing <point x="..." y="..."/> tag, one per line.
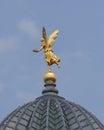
<point x="46" y="45"/>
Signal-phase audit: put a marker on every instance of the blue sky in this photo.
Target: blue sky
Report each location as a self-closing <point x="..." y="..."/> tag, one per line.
<point x="80" y="45"/>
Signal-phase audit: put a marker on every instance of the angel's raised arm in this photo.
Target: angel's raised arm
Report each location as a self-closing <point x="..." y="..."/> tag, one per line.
<point x="38" y="50"/>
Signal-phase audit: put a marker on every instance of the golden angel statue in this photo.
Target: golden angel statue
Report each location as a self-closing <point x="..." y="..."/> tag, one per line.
<point x="46" y="45"/>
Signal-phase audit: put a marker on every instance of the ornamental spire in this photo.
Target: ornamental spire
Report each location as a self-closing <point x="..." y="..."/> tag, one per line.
<point x="50" y="57"/>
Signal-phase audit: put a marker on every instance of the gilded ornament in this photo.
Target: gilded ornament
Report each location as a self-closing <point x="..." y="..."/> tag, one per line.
<point x="46" y="45"/>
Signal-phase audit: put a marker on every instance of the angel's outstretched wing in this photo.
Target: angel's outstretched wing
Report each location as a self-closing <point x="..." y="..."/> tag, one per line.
<point x="52" y="38"/>
<point x="44" y="34"/>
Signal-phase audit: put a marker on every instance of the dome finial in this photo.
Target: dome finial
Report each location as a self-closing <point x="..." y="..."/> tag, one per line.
<point x="46" y="45"/>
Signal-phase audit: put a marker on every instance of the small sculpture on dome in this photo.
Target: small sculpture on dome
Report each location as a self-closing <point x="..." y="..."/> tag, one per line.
<point x="46" y="45"/>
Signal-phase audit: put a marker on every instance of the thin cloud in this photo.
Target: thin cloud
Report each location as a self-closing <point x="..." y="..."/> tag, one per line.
<point x="8" y="43"/>
<point x="28" y="27"/>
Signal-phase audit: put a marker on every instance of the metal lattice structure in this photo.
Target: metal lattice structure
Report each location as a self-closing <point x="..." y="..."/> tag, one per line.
<point x="51" y="112"/>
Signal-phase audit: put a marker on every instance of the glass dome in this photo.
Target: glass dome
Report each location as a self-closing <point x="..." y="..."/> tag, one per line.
<point x="51" y="112"/>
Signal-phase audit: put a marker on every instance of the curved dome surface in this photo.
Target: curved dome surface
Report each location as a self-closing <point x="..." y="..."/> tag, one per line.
<point x="51" y="112"/>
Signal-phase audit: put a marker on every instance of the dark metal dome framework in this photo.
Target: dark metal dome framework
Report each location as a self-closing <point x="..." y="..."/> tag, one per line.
<point x="51" y="112"/>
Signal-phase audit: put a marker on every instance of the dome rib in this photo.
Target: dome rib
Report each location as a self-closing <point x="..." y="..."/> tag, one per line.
<point x="33" y="114"/>
<point x="62" y="115"/>
<point x="4" y="124"/>
<point x="9" y="119"/>
<point x="86" y="117"/>
<point x="21" y="115"/>
<point x="93" y="120"/>
<point x="70" y="110"/>
<point x="47" y="114"/>
<point x="52" y="112"/>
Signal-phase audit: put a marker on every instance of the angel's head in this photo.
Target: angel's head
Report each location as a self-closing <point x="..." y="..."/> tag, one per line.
<point x="43" y="41"/>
